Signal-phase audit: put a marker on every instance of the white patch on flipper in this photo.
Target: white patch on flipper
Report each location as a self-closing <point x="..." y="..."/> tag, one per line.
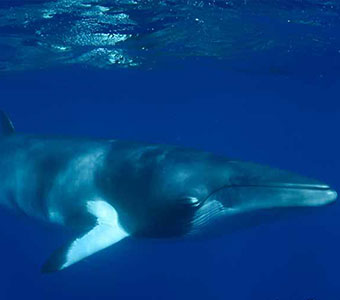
<point x="107" y="232"/>
<point x="104" y="212"/>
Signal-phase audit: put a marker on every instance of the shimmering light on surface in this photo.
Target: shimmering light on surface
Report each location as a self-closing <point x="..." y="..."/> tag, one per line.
<point x="141" y="33"/>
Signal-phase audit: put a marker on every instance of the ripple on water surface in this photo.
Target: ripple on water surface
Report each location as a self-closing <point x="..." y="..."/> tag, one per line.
<point x="131" y="33"/>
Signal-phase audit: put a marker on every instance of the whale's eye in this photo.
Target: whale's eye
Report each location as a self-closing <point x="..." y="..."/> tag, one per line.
<point x="190" y="201"/>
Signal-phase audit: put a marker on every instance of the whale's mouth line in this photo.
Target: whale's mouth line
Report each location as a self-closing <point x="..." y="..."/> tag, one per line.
<point x="317" y="187"/>
<point x="278" y="186"/>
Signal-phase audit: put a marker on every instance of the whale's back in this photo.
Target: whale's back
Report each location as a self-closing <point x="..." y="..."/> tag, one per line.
<point x="31" y="167"/>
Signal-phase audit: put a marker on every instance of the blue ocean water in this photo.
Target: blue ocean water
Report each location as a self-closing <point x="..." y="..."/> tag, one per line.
<point x="254" y="80"/>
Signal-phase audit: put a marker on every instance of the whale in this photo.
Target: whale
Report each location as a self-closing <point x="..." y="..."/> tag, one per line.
<point x="109" y="190"/>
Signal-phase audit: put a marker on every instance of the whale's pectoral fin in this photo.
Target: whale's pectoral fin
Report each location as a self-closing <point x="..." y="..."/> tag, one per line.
<point x="105" y="233"/>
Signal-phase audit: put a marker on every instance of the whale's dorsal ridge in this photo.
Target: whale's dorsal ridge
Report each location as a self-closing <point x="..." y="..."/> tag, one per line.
<point x="6" y="124"/>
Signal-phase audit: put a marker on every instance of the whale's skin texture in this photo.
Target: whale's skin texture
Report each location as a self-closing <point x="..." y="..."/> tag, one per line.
<point x="50" y="179"/>
<point x="110" y="190"/>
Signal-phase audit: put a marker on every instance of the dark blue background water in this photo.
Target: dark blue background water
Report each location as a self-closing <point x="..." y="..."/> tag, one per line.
<point x="289" y="121"/>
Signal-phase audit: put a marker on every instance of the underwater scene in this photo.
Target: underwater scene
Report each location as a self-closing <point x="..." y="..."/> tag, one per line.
<point x="170" y="149"/>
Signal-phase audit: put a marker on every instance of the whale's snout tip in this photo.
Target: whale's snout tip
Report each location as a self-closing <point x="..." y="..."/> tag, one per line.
<point x="330" y="196"/>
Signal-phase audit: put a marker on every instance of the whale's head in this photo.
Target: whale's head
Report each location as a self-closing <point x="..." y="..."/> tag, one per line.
<point x="194" y="193"/>
<point x="162" y="191"/>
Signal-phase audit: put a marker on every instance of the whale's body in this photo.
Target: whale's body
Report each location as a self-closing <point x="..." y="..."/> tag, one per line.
<point x="111" y="189"/>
